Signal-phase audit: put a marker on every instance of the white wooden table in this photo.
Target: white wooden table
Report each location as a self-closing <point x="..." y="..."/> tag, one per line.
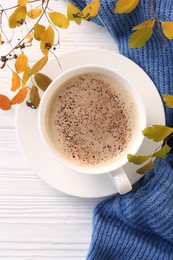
<point x="36" y="221"/>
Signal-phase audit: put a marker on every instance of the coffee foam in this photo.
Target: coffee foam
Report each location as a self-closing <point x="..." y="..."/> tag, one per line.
<point x="92" y="120"/>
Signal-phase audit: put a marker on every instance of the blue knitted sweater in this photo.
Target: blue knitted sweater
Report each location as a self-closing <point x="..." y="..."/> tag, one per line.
<point x="139" y="225"/>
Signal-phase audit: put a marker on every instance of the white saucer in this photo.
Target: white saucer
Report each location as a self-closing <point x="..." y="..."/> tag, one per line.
<point x="42" y="162"/>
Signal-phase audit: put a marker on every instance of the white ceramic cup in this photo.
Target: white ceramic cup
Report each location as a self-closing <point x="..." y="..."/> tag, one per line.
<point x="115" y="169"/>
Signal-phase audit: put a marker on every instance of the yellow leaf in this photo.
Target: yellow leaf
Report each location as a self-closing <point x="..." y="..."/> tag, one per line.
<point x="39" y="65"/>
<point x="47" y="40"/>
<point x="29" y="36"/>
<point x="38" y="31"/>
<point x="34" y="13"/>
<point x="125" y="6"/>
<point x="5" y="103"/>
<point x="22" y="2"/>
<point x="59" y="19"/>
<point x="168" y="99"/>
<point x="15" y="81"/>
<point x="145" y="25"/>
<point x="26" y="76"/>
<point x="34" y="97"/>
<point x="74" y="13"/>
<point x="18" y="17"/>
<point x="91" y="10"/>
<point x="140" y="37"/>
<point x="157" y="132"/>
<point x="20" y="96"/>
<point x="167" y="28"/>
<point x="0" y="38"/>
<point x="21" y="63"/>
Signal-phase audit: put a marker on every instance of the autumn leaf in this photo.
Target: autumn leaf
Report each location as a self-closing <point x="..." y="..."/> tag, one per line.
<point x="21" y="63"/>
<point x="22" y="2"/>
<point x="15" y="81"/>
<point x="59" y="19"/>
<point x="29" y="36"/>
<point x="148" y="166"/>
<point x="5" y="103"/>
<point x="74" y="13"/>
<point x="34" y="13"/>
<point x="157" y="132"/>
<point x="125" y="6"/>
<point x="38" y="31"/>
<point x="169" y="100"/>
<point x="138" y="159"/>
<point x="42" y="81"/>
<point x="20" y="96"/>
<point x="145" y="25"/>
<point x="167" y="28"/>
<point x="26" y="76"/>
<point x="162" y="152"/>
<point x="91" y="10"/>
<point x="39" y="65"/>
<point x="34" y="97"/>
<point x="139" y="38"/>
<point x="17" y="17"/>
<point x="47" y="40"/>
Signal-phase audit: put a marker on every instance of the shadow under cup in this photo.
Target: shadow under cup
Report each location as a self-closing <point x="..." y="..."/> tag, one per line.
<point x="104" y="78"/>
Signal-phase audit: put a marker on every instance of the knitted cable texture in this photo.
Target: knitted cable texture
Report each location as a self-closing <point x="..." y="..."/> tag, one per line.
<point x="139" y="225"/>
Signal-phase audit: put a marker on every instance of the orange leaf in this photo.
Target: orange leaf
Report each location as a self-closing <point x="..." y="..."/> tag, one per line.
<point x="15" y="81"/>
<point x="18" y="17"/>
<point x="29" y="36"/>
<point x="34" y="13"/>
<point x="22" y="2"/>
<point x="20" y="96"/>
<point x="21" y="63"/>
<point x="38" y="31"/>
<point x="5" y="103"/>
<point x="47" y="40"/>
<point x="39" y="65"/>
<point x="167" y="28"/>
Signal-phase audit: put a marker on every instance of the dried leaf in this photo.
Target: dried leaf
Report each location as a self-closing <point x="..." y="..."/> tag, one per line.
<point x="91" y="10"/>
<point x="125" y="6"/>
<point x="39" y="65"/>
<point x="18" y="17"/>
<point x="26" y="76"/>
<point x="0" y="38"/>
<point x="21" y="63"/>
<point x="167" y="28"/>
<point x="148" y="166"/>
<point x="29" y="36"/>
<point x="74" y="13"/>
<point x="162" y="152"/>
<point x="20" y="96"/>
<point x="34" y="96"/>
<point x="139" y="38"/>
<point x="59" y="19"/>
<point x="138" y="159"/>
<point x="42" y="81"/>
<point x="34" y="13"/>
<point x="169" y="100"/>
<point x="144" y="25"/>
<point x="38" y="31"/>
<point x="15" y="81"/>
<point x="22" y="2"/>
<point x="5" y="103"/>
<point x="47" y="40"/>
<point x="157" y="132"/>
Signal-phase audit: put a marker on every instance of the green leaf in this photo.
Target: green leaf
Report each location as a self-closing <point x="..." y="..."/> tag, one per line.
<point x="42" y="81"/>
<point x="157" y="132"/>
<point x="138" y="159"/>
<point x="169" y="100"/>
<point x="34" y="97"/>
<point x="162" y="152"/>
<point x="145" y="168"/>
<point x="139" y="38"/>
<point x="125" y="6"/>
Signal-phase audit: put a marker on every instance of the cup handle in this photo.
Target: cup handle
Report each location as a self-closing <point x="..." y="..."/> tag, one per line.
<point x="121" y="181"/>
